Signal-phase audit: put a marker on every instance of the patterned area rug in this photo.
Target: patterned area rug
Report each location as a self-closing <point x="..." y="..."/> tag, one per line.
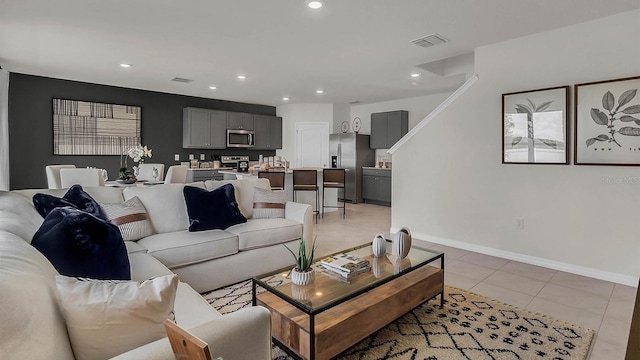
<point x="469" y="327"/>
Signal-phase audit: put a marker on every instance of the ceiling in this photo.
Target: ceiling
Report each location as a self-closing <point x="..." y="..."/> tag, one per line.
<point x="354" y="50"/>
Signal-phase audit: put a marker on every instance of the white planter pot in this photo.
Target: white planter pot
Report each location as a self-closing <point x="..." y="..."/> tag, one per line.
<point x="302" y="277"/>
<point x="379" y="246"/>
<point x="402" y="243"/>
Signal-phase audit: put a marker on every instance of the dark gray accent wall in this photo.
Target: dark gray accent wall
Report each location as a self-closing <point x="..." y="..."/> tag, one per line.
<point x="31" y="125"/>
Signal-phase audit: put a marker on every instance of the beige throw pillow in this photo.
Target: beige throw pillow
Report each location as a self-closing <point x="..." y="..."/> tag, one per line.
<point x="106" y="318"/>
<point x="268" y="204"/>
<point x="130" y="217"/>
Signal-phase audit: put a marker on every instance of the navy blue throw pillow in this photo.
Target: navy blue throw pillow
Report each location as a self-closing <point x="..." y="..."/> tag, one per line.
<point x="75" y="197"/>
<point x="216" y="209"/>
<point x="80" y="244"/>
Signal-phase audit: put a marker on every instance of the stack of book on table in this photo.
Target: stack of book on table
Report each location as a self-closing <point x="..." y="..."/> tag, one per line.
<point x="345" y="265"/>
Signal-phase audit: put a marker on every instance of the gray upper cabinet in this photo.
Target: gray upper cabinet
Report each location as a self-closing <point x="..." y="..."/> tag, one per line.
<point x="240" y="121"/>
<point x="268" y="132"/>
<point x="387" y="128"/>
<point x="204" y="129"/>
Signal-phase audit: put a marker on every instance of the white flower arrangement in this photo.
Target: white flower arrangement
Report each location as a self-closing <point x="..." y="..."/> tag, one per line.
<point x="138" y="153"/>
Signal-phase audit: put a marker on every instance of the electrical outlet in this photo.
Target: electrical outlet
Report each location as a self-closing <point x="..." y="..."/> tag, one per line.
<point x="201" y="156"/>
<point x="191" y="157"/>
<point x="176" y="157"/>
<point x="520" y="223"/>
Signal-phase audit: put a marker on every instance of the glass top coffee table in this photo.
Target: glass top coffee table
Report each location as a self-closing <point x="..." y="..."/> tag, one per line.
<point x="326" y="317"/>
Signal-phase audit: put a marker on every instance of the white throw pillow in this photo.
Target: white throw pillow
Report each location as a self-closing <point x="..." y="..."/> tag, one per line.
<point x="130" y="217"/>
<point x="268" y="204"/>
<point x="106" y="318"/>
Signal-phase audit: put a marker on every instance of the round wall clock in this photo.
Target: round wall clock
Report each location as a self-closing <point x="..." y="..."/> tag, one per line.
<point x="345" y="127"/>
<point x="357" y="124"/>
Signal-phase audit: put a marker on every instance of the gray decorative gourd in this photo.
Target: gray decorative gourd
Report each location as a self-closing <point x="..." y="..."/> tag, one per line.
<point x="379" y="246"/>
<point x="402" y="243"/>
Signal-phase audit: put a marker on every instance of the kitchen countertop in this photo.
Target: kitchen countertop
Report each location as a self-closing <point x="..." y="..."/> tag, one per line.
<point x="375" y="168"/>
<point x="221" y="168"/>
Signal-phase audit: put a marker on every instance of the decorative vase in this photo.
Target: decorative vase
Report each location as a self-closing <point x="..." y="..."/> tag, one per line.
<point x="402" y="243"/>
<point x="400" y="264"/>
<point x="379" y="246"/>
<point x="302" y="277"/>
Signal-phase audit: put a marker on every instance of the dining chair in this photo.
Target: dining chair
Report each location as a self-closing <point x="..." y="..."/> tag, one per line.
<point x="306" y="180"/>
<point x="176" y="174"/>
<point x="333" y="179"/>
<point x="81" y="176"/>
<point x="146" y="172"/>
<point x="53" y="175"/>
<point x="276" y="178"/>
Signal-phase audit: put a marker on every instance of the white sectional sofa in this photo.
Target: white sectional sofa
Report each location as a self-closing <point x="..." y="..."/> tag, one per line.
<point x="33" y="326"/>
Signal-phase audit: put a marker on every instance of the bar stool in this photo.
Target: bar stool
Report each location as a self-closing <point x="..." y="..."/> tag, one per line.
<point x="306" y="180"/>
<point x="333" y="179"/>
<point x="276" y="178"/>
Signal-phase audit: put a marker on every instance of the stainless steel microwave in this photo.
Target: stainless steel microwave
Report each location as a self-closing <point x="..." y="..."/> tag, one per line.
<point x="240" y="138"/>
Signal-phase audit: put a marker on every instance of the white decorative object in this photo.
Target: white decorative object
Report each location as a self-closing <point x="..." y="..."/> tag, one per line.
<point x="302" y="277"/>
<point x="379" y="245"/>
<point x="402" y="243"/>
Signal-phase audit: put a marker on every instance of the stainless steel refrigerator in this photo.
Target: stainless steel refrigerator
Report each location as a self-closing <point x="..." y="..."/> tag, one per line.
<point x="351" y="152"/>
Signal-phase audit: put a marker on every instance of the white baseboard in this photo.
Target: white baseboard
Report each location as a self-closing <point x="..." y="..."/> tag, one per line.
<point x="623" y="279"/>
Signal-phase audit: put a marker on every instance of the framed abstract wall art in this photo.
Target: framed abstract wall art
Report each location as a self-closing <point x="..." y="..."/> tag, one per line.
<point x="534" y="126"/>
<point x="607" y="129"/>
<point x="91" y="128"/>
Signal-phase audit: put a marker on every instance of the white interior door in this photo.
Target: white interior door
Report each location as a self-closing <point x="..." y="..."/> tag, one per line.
<point x="312" y="144"/>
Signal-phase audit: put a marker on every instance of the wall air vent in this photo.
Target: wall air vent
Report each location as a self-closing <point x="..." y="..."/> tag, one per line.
<point x="430" y="40"/>
<point x="181" y="80"/>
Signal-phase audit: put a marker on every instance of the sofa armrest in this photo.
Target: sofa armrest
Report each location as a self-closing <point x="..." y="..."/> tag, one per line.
<point x="302" y="213"/>
<point x="243" y="334"/>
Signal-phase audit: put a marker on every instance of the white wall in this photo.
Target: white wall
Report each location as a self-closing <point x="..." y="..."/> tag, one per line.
<point x="449" y="185"/>
<point x="296" y="113"/>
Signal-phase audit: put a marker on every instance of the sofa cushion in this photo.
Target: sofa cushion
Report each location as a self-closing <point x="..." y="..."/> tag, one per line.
<point x="32" y="324"/>
<point x="165" y="205"/>
<point x="130" y="217"/>
<point x="18" y="216"/>
<point x="75" y="197"/>
<point x="133" y="247"/>
<point x="257" y="233"/>
<point x="243" y="191"/>
<point x="215" y="209"/>
<point x="80" y="244"/>
<point x="106" y="318"/>
<point x="268" y="204"/>
<point x="183" y="247"/>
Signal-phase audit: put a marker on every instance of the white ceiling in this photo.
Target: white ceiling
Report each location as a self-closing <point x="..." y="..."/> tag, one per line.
<point x="355" y="50"/>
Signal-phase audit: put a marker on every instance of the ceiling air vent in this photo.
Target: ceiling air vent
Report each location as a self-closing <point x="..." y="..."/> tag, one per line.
<point x="181" y="80"/>
<point x="354" y="102"/>
<point x="430" y="40"/>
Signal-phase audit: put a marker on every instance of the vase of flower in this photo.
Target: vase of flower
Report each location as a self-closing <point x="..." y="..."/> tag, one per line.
<point x="302" y="273"/>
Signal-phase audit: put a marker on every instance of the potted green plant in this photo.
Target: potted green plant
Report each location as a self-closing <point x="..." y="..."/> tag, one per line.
<point x="302" y="273"/>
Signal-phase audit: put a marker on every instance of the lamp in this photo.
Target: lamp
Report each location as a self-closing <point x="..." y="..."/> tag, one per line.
<point x="315" y="4"/>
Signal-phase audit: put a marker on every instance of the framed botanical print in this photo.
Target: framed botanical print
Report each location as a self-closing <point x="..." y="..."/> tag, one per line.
<point x="534" y="126"/>
<point x="607" y="129"/>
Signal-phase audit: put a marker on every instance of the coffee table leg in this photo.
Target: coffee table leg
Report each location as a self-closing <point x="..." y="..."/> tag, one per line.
<point x="312" y="337"/>
<point x="253" y="292"/>
<point x="442" y="293"/>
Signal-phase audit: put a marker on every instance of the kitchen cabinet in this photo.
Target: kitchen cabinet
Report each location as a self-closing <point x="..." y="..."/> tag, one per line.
<point x="376" y="186"/>
<point x="204" y="129"/>
<point x="268" y="132"/>
<point x="240" y="121"/>
<point x="387" y="128"/>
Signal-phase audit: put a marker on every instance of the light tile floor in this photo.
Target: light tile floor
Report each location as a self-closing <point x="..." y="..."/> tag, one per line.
<point x="600" y="305"/>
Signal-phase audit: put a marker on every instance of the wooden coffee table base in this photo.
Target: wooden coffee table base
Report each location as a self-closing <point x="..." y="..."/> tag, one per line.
<point x="342" y="326"/>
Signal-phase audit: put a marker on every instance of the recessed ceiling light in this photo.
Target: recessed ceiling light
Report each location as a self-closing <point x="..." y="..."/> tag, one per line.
<point x="415" y="75"/>
<point x="315" y="4"/>
<point x="125" y="65"/>
<point x="242" y="77"/>
<point x="212" y="87"/>
<point x="319" y="91"/>
<point x="285" y="98"/>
